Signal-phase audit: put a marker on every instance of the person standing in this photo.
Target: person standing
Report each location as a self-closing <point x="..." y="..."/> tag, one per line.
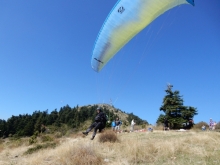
<point x="214" y="125"/>
<point x="113" y="125"/>
<point x="165" y="124"/>
<point x="132" y="125"/>
<point x="211" y="124"/>
<point x="117" y="125"/>
<point x="99" y="123"/>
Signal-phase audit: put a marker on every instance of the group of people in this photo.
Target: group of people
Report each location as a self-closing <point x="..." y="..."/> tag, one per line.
<point x="212" y="125"/>
<point x="101" y="119"/>
<point x="116" y="125"/>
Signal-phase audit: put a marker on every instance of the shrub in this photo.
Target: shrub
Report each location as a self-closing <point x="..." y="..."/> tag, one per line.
<point x="39" y="147"/>
<point x="36" y="133"/>
<point x="143" y="126"/>
<point x="46" y="138"/>
<point x="33" y="139"/>
<point x="108" y="136"/>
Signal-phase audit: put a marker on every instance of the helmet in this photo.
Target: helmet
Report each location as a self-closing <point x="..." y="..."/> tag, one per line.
<point x="99" y="109"/>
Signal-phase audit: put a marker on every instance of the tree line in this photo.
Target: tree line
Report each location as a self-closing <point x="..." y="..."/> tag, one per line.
<point x="27" y="125"/>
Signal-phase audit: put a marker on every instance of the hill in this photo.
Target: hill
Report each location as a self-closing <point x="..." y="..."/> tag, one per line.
<point x="66" y="119"/>
<point x="117" y="112"/>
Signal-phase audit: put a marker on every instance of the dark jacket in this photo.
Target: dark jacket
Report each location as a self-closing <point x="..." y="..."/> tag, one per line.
<point x="117" y="122"/>
<point x="100" y="117"/>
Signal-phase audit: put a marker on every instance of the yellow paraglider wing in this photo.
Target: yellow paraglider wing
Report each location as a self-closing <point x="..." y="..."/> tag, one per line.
<point x="127" y="18"/>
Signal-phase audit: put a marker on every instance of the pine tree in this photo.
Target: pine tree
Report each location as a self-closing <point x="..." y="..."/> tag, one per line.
<point x="178" y="115"/>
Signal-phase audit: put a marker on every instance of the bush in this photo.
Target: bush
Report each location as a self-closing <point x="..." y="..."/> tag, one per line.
<point x="40" y="147"/>
<point x="108" y="136"/>
<point x="33" y="139"/>
<point x="46" y="138"/>
<point x="143" y="126"/>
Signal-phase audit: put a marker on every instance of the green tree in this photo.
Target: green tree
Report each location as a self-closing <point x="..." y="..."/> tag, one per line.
<point x="178" y="115"/>
<point x="3" y="127"/>
<point x="65" y="118"/>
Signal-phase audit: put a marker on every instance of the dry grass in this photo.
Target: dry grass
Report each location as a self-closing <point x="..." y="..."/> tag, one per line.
<point x="16" y="143"/>
<point x="1" y="148"/>
<point x="154" y="148"/>
<point x="85" y="154"/>
<point x="108" y="136"/>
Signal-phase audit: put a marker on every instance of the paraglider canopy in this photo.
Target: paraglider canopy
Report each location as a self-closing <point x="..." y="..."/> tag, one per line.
<point x="127" y="19"/>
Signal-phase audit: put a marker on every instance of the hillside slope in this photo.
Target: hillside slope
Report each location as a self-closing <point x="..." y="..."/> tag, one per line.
<point x="122" y="115"/>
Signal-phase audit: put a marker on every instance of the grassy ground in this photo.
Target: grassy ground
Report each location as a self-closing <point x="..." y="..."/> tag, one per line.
<point x="156" y="148"/>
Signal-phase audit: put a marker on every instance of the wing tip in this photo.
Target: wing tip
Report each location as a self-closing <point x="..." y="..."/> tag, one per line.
<point x="95" y="69"/>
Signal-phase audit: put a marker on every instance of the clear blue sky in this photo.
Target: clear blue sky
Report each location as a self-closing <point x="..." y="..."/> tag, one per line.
<point x="46" y="48"/>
